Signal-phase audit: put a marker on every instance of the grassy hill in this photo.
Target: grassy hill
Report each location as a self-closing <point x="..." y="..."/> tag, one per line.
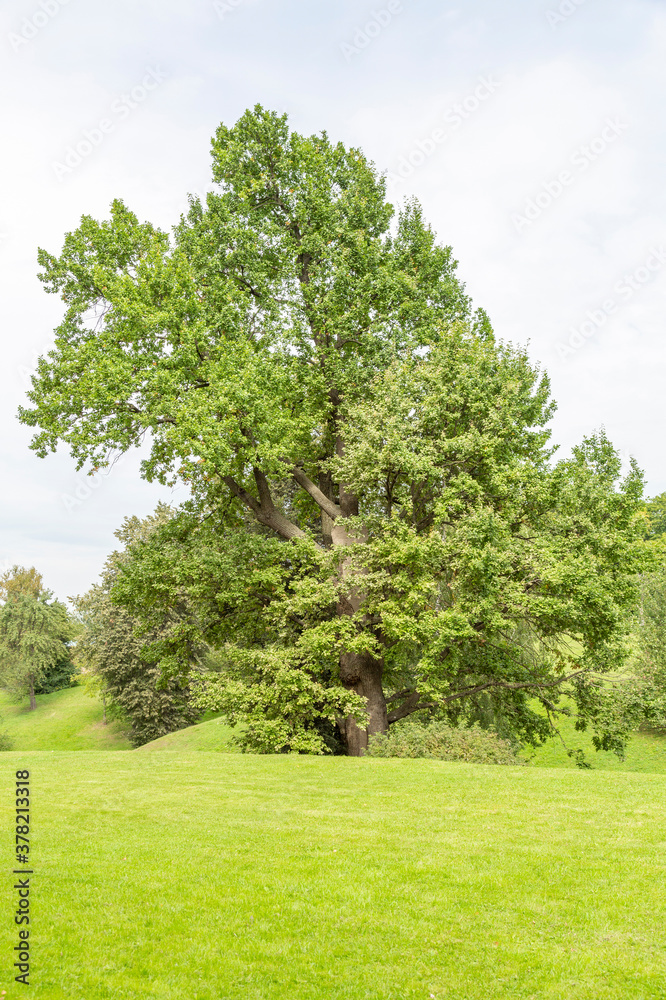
<point x="212" y="734"/>
<point x="646" y="752"/>
<point x="64" y="720"/>
<point x="209" y="876"/>
<point x="70" y="720"/>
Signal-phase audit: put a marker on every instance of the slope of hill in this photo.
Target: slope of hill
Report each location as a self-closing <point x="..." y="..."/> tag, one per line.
<point x="211" y="734"/>
<point x="64" y="720"/>
<point x="646" y="751"/>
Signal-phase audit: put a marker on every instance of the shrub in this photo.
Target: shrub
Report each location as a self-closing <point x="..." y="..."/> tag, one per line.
<point x="439" y="741"/>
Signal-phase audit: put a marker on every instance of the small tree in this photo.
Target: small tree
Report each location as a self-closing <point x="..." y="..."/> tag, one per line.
<point x="34" y="632"/>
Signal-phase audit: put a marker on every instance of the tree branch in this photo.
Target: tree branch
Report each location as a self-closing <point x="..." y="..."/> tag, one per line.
<point x="508" y="686"/>
<point x="406" y="708"/>
<point x="243" y="495"/>
<point x="265" y="498"/>
<point x="399" y="694"/>
<point x="412" y="703"/>
<point x="269" y="517"/>
<point x="313" y="490"/>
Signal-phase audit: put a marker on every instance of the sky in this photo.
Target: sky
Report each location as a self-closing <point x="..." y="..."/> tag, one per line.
<point x="532" y="132"/>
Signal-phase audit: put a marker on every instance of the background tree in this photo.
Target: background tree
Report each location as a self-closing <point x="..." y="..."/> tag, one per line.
<point x="34" y="633"/>
<point x="638" y="698"/>
<point x="298" y="356"/>
<point x="19" y="580"/>
<point x="131" y="686"/>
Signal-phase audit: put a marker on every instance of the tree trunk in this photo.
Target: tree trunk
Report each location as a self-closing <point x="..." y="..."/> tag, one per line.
<point x="363" y="673"/>
<point x="33" y="700"/>
<point x="359" y="672"/>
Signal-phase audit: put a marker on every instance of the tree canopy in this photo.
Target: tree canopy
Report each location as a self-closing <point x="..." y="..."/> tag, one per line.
<point x="19" y="580"/>
<point x="377" y="524"/>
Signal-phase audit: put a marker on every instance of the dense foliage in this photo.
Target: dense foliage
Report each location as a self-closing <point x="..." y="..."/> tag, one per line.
<point x="656" y="514"/>
<point x="132" y="686"/>
<point x="377" y="525"/>
<point x="642" y="697"/>
<point x="63" y="673"/>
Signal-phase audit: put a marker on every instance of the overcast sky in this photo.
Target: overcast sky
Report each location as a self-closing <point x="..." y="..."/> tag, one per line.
<point x="531" y="130"/>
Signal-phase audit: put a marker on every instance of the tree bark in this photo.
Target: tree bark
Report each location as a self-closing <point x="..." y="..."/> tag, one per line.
<point x="33" y="700"/>
<point x="362" y="673"/>
<point x="359" y="672"/>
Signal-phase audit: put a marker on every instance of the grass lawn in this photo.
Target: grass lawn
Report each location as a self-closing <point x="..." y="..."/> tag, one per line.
<point x="64" y="720"/>
<point x="646" y="752"/>
<point x="211" y="876"/>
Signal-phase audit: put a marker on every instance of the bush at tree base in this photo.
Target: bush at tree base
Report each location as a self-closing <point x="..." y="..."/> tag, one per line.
<point x="440" y="741"/>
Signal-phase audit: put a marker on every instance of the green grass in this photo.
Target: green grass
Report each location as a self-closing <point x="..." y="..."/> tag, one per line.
<point x="64" y="720"/>
<point x="646" y="752"/>
<point x="209" y="876"/>
<point x="212" y="734"/>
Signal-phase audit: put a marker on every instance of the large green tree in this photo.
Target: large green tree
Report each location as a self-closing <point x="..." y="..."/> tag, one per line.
<point x="306" y="360"/>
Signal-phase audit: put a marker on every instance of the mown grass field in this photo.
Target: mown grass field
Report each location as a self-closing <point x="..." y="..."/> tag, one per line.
<point x="211" y="876"/>
<point x="64" y="720"/>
